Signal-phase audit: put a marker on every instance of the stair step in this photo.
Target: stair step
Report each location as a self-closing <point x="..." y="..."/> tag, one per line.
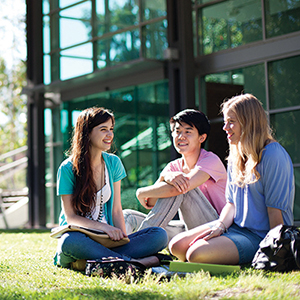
<point x="10" y="197"/>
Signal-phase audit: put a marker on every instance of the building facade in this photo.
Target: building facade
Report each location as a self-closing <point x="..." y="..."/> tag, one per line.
<point x="146" y="60"/>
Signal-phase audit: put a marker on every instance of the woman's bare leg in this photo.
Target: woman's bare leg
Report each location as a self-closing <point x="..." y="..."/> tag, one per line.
<point x="179" y="244"/>
<point x="217" y="250"/>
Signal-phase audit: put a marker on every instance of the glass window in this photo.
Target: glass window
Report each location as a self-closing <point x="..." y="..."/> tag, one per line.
<point x="284" y="125"/>
<point x="162" y="92"/>
<point x="72" y="67"/>
<point x="46" y="34"/>
<point x="157" y="93"/>
<point x="103" y="19"/>
<point x="114" y="15"/>
<point x="48" y="133"/>
<point x="250" y="79"/>
<point x="146" y="94"/>
<point x="71" y="26"/>
<point x="153" y="9"/>
<point x="229" y="24"/>
<point x="46" y="7"/>
<point x="80" y="11"/>
<point x="85" y="50"/>
<point x="75" y="25"/>
<point x="47" y="123"/>
<point x="297" y="192"/>
<point x="119" y="48"/>
<point x="282" y="16"/>
<point x="284" y="82"/>
<point x="255" y="83"/>
<point x="64" y="3"/>
<point x="47" y="68"/>
<point x="68" y="28"/>
<point x="155" y="40"/>
<point x="75" y="115"/>
<point x="123" y="14"/>
<point x="64" y="121"/>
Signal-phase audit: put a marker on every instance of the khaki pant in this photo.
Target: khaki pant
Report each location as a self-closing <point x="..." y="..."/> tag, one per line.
<point x="193" y="207"/>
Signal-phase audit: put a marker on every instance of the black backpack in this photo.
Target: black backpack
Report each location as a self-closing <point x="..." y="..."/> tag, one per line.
<point x="279" y="250"/>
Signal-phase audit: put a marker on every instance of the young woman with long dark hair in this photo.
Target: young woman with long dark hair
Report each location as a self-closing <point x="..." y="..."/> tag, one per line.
<point x="89" y="183"/>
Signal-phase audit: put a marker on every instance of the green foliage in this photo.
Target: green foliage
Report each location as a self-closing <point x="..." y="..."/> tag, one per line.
<point x="13" y="106"/>
<point x="27" y="272"/>
<point x="16" y="182"/>
<point x="13" y="110"/>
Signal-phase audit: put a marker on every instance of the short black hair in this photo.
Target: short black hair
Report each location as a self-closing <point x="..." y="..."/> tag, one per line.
<point x="194" y="118"/>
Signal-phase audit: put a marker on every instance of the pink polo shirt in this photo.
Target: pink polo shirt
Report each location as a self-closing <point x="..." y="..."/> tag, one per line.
<point x="214" y="188"/>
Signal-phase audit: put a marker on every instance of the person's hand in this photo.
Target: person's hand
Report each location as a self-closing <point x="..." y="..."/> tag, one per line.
<point x="145" y="203"/>
<point x="215" y="231"/>
<point x="114" y="233"/>
<point x="179" y="180"/>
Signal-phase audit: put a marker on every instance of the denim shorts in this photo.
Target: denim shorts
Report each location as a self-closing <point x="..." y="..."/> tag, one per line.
<point x="245" y="240"/>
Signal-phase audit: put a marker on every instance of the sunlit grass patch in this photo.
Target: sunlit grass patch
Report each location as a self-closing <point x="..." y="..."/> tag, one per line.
<point x="27" y="272"/>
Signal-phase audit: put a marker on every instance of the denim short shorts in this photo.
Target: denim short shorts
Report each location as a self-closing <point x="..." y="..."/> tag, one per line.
<point x="246" y="242"/>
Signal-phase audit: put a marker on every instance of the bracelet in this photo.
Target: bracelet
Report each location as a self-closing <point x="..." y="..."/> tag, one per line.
<point x="216" y="227"/>
<point x="226" y="229"/>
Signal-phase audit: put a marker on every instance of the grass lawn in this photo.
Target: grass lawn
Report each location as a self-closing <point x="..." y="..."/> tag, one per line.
<point x="27" y="272"/>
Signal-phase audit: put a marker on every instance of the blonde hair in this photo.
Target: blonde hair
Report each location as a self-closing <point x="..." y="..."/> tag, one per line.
<point x="255" y="135"/>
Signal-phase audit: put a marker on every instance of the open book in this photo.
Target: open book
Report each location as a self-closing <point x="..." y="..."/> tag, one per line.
<point x="97" y="235"/>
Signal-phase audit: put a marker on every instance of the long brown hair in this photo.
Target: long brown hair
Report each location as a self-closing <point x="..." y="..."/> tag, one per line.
<point x="255" y="135"/>
<point x="83" y="198"/>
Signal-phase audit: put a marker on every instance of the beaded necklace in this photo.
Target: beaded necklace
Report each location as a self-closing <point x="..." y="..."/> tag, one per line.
<point x="101" y="209"/>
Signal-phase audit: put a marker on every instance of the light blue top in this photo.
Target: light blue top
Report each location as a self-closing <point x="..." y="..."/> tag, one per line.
<point x="66" y="182"/>
<point x="275" y="188"/>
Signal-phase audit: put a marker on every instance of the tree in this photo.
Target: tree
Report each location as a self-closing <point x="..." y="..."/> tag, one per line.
<point x="12" y="106"/>
<point x="12" y="75"/>
<point x="12" y="121"/>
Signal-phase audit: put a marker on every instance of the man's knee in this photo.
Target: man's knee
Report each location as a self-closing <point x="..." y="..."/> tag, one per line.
<point x="132" y="219"/>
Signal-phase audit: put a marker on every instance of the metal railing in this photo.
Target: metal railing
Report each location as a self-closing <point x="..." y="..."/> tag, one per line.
<point x="18" y="162"/>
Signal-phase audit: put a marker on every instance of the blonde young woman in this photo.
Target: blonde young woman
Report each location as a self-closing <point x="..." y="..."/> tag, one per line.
<point x="259" y="192"/>
<point x="89" y="183"/>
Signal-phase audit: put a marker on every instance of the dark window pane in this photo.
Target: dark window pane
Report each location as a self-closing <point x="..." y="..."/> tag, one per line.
<point x="284" y="82"/>
<point x="286" y="126"/>
<point x="229" y="24"/>
<point x="153" y="9"/>
<point x="282" y="17"/>
<point x="297" y="195"/>
<point x="123" y="14"/>
<point x="119" y="48"/>
<point x="155" y="40"/>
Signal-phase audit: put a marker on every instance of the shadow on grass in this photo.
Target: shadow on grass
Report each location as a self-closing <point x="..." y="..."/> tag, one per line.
<point x="106" y="292"/>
